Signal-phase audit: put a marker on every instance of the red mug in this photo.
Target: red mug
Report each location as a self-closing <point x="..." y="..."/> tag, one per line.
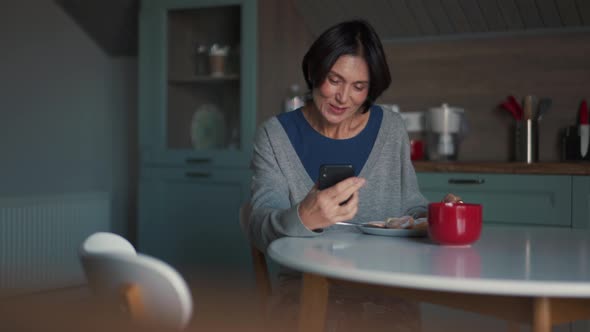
<point x="454" y="224"/>
<point x="416" y="149"/>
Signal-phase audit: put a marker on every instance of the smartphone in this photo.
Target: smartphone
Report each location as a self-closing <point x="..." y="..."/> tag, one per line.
<point x="334" y="173"/>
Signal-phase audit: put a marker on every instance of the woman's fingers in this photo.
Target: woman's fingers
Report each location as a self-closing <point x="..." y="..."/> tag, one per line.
<point x="451" y="198"/>
<point x="322" y="208"/>
<point x="342" y="200"/>
<point x="342" y="191"/>
<point x="347" y="210"/>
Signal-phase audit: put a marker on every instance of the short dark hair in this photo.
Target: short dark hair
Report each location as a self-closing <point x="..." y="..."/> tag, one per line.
<point x="356" y="37"/>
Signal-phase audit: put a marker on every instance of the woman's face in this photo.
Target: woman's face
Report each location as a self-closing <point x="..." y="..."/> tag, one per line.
<point x="344" y="90"/>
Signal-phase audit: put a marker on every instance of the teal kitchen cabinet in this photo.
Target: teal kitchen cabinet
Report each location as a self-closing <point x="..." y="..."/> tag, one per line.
<point x="197" y="117"/>
<point x="197" y="82"/>
<point x="189" y="218"/>
<point x="581" y="201"/>
<point x="536" y="200"/>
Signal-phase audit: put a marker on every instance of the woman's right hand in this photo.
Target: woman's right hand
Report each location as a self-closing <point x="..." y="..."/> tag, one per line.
<point x="321" y="208"/>
<point x="452" y="198"/>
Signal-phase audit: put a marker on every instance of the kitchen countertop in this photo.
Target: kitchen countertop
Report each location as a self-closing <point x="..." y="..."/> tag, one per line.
<point x="544" y="168"/>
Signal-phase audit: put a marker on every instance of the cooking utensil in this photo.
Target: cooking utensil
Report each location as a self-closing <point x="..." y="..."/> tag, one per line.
<point x="526" y="143"/>
<point x="512" y="100"/>
<point x="347" y="223"/>
<point x="512" y="109"/>
<point x="528" y="108"/>
<point x="544" y="105"/>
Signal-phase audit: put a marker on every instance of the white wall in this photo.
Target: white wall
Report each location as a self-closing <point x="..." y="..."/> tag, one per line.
<point x="66" y="108"/>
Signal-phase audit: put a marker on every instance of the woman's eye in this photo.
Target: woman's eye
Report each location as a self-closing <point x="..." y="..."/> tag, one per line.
<point x="359" y="87"/>
<point x="333" y="80"/>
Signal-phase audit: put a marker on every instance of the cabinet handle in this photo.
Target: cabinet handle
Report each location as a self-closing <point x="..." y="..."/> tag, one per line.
<point x="198" y="160"/>
<point x="198" y="174"/>
<point x="467" y="181"/>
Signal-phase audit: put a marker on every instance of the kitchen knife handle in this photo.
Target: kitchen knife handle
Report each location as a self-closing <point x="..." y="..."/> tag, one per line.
<point x="467" y="181"/>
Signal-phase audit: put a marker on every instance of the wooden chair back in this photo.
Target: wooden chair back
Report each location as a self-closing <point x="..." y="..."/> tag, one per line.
<point x="262" y="277"/>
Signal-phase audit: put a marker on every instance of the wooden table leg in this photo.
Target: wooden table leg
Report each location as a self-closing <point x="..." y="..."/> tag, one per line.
<point x="314" y="303"/>
<point x="541" y="315"/>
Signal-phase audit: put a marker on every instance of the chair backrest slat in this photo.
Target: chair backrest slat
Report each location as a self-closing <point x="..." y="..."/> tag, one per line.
<point x="263" y="282"/>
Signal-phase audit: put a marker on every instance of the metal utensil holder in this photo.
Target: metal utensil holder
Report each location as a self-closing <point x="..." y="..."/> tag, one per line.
<point x="526" y="146"/>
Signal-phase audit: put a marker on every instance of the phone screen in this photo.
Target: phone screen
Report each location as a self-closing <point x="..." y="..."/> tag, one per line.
<point x="332" y="174"/>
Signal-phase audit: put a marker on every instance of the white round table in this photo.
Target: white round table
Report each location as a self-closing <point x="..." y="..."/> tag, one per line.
<point x="539" y="276"/>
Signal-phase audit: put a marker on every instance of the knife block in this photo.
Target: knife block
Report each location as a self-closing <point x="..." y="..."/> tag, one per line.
<point x="570" y="145"/>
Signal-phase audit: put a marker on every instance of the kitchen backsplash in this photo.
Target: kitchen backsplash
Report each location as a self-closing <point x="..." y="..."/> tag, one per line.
<point x="477" y="75"/>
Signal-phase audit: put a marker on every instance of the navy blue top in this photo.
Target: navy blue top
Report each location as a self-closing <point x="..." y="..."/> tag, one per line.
<point x="315" y="149"/>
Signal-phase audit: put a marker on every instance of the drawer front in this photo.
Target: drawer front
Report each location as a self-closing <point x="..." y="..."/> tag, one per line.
<point x="190" y="218"/>
<point x="191" y="159"/>
<point x="197" y="174"/>
<point x="543" y="200"/>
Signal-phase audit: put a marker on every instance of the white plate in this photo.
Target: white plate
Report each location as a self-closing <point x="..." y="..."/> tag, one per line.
<point x="207" y="127"/>
<point x="391" y="231"/>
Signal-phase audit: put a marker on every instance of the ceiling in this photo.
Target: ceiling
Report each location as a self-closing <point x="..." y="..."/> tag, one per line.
<point x="112" y="24"/>
<point x="411" y="19"/>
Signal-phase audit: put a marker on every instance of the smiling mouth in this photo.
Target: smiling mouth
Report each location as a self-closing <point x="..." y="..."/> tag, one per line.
<point x="337" y="109"/>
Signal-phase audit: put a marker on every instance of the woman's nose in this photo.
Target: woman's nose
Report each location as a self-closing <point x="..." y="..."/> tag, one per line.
<point x="342" y="94"/>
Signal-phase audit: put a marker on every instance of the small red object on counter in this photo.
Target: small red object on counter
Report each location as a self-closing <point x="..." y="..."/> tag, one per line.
<point x="416" y="149"/>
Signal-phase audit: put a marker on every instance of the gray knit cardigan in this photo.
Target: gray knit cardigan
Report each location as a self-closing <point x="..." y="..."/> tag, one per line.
<point x="280" y="182"/>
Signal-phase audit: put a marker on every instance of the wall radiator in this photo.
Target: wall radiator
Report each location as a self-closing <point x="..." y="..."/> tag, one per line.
<point x="40" y="237"/>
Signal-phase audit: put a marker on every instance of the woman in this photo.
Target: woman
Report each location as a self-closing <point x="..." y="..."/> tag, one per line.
<point x="346" y="71"/>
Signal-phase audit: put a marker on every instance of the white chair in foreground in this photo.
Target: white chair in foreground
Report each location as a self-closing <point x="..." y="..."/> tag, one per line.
<point x="152" y="291"/>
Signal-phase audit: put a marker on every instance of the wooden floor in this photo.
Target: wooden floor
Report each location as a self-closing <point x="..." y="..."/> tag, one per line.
<point x="219" y="305"/>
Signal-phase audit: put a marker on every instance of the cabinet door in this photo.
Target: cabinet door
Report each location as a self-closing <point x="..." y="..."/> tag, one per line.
<point x="581" y="202"/>
<point x="507" y="199"/>
<point x="189" y="218"/>
<point x="197" y="81"/>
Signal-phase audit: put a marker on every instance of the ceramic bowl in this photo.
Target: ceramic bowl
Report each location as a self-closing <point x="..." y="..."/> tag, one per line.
<point x="455" y="224"/>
